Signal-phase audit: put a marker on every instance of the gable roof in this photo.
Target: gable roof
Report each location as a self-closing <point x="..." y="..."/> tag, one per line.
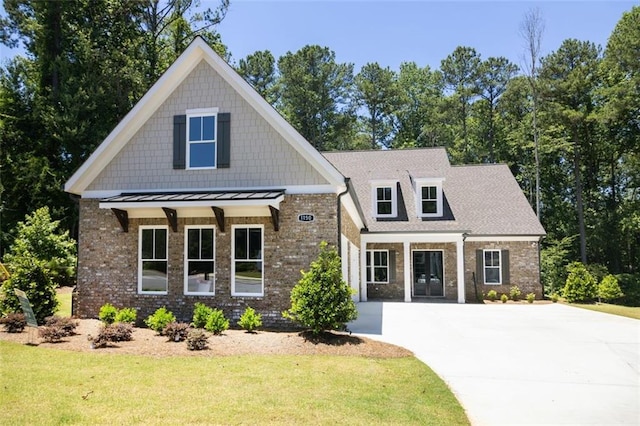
<point x="197" y="52"/>
<point x="479" y="199"/>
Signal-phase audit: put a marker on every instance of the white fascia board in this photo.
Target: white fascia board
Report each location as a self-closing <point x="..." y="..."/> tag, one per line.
<point x="488" y="238"/>
<point x="186" y="204"/>
<point x="293" y="190"/>
<point x="134" y="120"/>
<point x="452" y="237"/>
<point x="350" y="206"/>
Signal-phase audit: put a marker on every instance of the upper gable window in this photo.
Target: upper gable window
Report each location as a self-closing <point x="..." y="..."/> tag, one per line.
<point x="201" y="138"/>
<point x="385" y="199"/>
<point x="429" y="197"/>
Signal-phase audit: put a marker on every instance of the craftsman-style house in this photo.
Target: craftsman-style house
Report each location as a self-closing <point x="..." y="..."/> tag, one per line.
<point x="204" y="193"/>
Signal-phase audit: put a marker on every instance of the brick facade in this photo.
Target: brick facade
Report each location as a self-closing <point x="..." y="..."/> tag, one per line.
<point x="108" y="261"/>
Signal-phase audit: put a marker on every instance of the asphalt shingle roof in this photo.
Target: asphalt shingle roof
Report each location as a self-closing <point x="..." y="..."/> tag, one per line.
<point x="479" y="199"/>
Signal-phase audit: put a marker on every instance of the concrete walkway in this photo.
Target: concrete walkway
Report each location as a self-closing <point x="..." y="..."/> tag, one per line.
<point x="521" y="364"/>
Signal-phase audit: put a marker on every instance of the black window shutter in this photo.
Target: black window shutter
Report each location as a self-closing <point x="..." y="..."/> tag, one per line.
<point x="505" y="267"/>
<point x="479" y="267"/>
<point x="179" y="141"/>
<point x="224" y="140"/>
<point x="392" y="266"/>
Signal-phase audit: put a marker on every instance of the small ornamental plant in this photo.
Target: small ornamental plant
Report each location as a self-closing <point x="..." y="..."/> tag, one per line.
<point x="250" y="320"/>
<point x="159" y="320"/>
<point x="176" y="331"/>
<point x="555" y="297"/>
<point x="127" y="315"/>
<point x="201" y="313"/>
<point x="196" y="340"/>
<point x="531" y="297"/>
<point x="108" y="313"/>
<point x="116" y="332"/>
<point x="14" y="323"/>
<point x="515" y="293"/>
<point x="609" y="289"/>
<point x="504" y="298"/>
<point x="56" y="328"/>
<point x="216" y="322"/>
<point x="492" y="295"/>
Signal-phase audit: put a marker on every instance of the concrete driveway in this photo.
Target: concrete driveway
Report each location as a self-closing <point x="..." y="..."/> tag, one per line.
<point x="521" y="364"/>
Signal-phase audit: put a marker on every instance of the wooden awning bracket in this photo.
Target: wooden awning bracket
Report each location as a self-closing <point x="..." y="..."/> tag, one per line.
<point x="219" y="217"/>
<point x="172" y="217"/>
<point x="275" y="218"/>
<point x="123" y="218"/>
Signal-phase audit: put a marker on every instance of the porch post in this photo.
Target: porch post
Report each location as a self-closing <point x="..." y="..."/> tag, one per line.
<point x="460" y="268"/>
<point x="363" y="270"/>
<point x="407" y="271"/>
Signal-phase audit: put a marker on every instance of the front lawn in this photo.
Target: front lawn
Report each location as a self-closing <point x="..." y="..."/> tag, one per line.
<point x="625" y="311"/>
<point x="47" y="386"/>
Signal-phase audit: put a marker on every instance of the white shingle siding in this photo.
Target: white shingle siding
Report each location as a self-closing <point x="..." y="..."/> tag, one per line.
<point x="260" y="157"/>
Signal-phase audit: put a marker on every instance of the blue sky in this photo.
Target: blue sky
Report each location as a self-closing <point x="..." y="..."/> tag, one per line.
<point x="392" y="32"/>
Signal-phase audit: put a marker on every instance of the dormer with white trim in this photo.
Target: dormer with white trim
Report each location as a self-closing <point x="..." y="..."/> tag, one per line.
<point x="384" y="198"/>
<point x="429" y="197"/>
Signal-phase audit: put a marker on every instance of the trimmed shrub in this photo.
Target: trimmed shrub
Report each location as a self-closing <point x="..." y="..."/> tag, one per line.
<point x="504" y="298"/>
<point x="66" y="324"/>
<point x="176" y="331"/>
<point x="555" y="297"/>
<point x="515" y="293"/>
<point x="250" y="320"/>
<point x="216" y="322"/>
<point x="531" y="297"/>
<point x="580" y="285"/>
<point x="127" y="315"/>
<point x="196" y="340"/>
<point x="14" y="323"/>
<point x="159" y="319"/>
<point x="200" y="314"/>
<point x="492" y="295"/>
<point x="321" y="300"/>
<point x="609" y="289"/>
<point x="108" y="313"/>
<point x="116" y="332"/>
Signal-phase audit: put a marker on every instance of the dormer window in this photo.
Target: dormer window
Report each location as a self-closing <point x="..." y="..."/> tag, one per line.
<point x="429" y="197"/>
<point x="385" y="198"/>
<point x="201" y="138"/>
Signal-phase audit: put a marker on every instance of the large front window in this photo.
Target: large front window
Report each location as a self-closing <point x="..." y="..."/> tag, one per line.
<point x="492" y="262"/>
<point x="377" y="266"/>
<point x="247" y="260"/>
<point x="152" y="260"/>
<point x="199" y="260"/>
<point x="201" y="140"/>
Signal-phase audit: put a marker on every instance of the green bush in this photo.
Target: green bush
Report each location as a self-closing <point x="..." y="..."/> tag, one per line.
<point x="14" y="323"/>
<point x="504" y="298"/>
<point x="609" y="289"/>
<point x="196" y="340"/>
<point x="322" y="300"/>
<point x="492" y="295"/>
<point x="554" y="297"/>
<point x="216" y="322"/>
<point x="126" y="315"/>
<point x="515" y="293"/>
<point x="159" y="319"/>
<point x="200" y="314"/>
<point x="630" y="286"/>
<point x="580" y="285"/>
<point x="250" y="320"/>
<point x="531" y="297"/>
<point x="176" y="331"/>
<point x="108" y="313"/>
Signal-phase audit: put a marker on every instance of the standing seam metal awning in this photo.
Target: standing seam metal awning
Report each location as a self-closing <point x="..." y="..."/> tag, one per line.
<point x="216" y="200"/>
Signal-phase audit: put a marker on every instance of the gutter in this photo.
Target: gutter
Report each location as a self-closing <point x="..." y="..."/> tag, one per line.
<point x="339" y="209"/>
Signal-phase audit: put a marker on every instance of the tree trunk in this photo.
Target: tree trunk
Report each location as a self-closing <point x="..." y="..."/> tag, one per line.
<point x="579" y="203"/>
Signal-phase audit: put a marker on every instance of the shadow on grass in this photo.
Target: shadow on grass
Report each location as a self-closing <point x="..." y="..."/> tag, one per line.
<point x="330" y="338"/>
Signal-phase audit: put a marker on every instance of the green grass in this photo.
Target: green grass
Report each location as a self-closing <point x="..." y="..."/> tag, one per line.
<point x="47" y="386"/>
<point x="625" y="311"/>
<point x="64" y="308"/>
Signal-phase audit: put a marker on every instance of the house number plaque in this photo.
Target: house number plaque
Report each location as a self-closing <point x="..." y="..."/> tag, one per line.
<point x="306" y="217"/>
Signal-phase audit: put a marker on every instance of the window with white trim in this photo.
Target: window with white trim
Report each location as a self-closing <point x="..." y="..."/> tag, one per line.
<point x="199" y="260"/>
<point x="152" y="259"/>
<point x="385" y="199"/>
<point x="201" y="138"/>
<point x="378" y="266"/>
<point x="492" y="267"/>
<point x="247" y="260"/>
<point x="429" y="199"/>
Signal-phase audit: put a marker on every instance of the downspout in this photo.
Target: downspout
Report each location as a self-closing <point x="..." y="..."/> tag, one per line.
<point x="346" y="184"/>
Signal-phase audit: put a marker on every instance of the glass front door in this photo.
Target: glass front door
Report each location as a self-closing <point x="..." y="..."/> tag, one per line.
<point x="428" y="276"/>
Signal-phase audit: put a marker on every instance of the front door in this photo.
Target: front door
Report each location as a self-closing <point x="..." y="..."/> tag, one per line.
<point x="428" y="274"/>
